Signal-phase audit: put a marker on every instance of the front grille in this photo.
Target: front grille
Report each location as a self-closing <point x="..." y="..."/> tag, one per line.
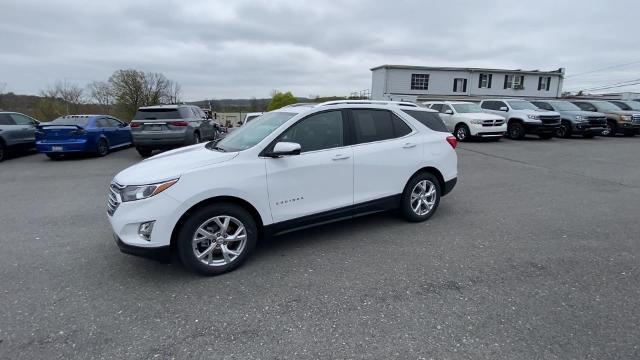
<point x="549" y="120"/>
<point x="597" y="120"/>
<point x="635" y="118"/>
<point x="113" y="201"/>
<point x="489" y="123"/>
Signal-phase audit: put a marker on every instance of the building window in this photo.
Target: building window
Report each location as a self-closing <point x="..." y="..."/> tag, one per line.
<point x="485" y="81"/>
<point x="419" y="81"/>
<point x="514" y="82"/>
<point x="460" y="85"/>
<point x="544" y="83"/>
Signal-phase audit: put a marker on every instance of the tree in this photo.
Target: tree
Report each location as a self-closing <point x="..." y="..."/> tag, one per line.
<point x="3" y="87"/>
<point x="60" y="99"/>
<point x="133" y="89"/>
<point x="280" y="99"/>
<point x="102" y="93"/>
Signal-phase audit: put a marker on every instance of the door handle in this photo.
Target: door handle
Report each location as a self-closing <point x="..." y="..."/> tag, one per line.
<point x="409" y="145"/>
<point x="341" y="157"/>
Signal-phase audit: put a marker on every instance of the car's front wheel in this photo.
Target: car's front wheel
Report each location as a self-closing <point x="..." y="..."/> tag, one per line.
<point x="462" y="132"/>
<point x="564" y="130"/>
<point x="612" y="129"/>
<point x="217" y="238"/>
<point x="515" y="131"/>
<point x="421" y="197"/>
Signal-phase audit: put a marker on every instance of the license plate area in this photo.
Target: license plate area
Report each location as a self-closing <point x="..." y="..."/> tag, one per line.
<point x="57" y="148"/>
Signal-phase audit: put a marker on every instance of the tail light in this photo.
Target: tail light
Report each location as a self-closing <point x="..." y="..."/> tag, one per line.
<point x="179" y="123"/>
<point x="135" y="125"/>
<point x="452" y="141"/>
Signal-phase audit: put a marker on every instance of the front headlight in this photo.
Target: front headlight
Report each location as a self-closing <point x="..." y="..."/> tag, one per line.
<point x="476" y="121"/>
<point x="581" y="118"/>
<point x="626" y="117"/>
<point x="139" y="192"/>
<point x="534" y="117"/>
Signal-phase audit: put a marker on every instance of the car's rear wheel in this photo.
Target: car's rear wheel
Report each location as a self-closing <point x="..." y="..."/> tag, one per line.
<point x="421" y="197"/>
<point x="103" y="147"/>
<point x="3" y="151"/>
<point x="515" y="131"/>
<point x="196" y="138"/>
<point x="462" y="132"/>
<point x="217" y="239"/>
<point x="144" y="152"/>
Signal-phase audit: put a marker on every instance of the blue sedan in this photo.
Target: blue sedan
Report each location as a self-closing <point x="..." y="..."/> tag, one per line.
<point x="97" y="134"/>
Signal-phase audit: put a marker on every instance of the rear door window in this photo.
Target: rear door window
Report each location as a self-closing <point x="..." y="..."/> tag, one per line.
<point x="5" y="119"/>
<point x="157" y="114"/>
<point x="399" y="126"/>
<point x="372" y="125"/>
<point x="429" y="119"/>
<point x="21" y="119"/>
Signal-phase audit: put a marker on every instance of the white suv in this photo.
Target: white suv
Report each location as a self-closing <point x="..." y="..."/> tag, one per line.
<point x="467" y="120"/>
<point x="286" y="170"/>
<point x="523" y="118"/>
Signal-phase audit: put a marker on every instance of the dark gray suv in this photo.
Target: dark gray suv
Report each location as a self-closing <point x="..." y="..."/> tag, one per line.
<point x="16" y="131"/>
<point x="170" y="126"/>
<point x="575" y="121"/>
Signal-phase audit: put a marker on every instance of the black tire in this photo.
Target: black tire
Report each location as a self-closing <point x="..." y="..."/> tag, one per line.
<point x="188" y="231"/>
<point x="196" y="138"/>
<point x="515" y="130"/>
<point x="588" y="136"/>
<point x="407" y="205"/>
<point x="612" y="128"/>
<point x="3" y="151"/>
<point x="630" y="133"/>
<point x="54" y="156"/>
<point x="462" y="132"/>
<point x="144" y="152"/>
<point x="545" y="136"/>
<point x="102" y="148"/>
<point x="564" y="130"/>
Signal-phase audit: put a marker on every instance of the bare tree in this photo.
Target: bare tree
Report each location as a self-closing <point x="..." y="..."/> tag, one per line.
<point x="3" y="87"/>
<point x="70" y="95"/>
<point x="173" y="92"/>
<point x="102" y="93"/>
<point x="133" y="89"/>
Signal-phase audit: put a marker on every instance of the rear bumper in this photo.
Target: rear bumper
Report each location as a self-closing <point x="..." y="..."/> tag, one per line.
<point x="161" y="140"/>
<point x="67" y="146"/>
<point x="449" y="185"/>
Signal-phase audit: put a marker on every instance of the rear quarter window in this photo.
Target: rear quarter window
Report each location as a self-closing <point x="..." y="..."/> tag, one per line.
<point x="429" y="119"/>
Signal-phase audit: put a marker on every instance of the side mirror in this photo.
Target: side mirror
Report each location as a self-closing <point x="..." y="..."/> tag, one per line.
<point x="239" y="123"/>
<point x="504" y="108"/>
<point x="285" y="148"/>
<point x="448" y="112"/>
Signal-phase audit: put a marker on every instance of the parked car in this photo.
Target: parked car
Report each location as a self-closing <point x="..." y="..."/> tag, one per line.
<point x="466" y="120"/>
<point x="72" y="134"/>
<point x="523" y="118"/>
<point x="618" y="121"/>
<point x="289" y="169"/>
<point x="627" y="105"/>
<point x="17" y="131"/>
<point x="164" y="127"/>
<point x="574" y="121"/>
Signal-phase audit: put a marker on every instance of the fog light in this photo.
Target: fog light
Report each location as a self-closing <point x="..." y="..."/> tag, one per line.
<point x="145" y="229"/>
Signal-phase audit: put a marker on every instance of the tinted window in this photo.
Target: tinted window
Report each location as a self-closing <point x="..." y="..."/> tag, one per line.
<point x="114" y="122"/>
<point x="372" y="125"/>
<point x="488" y="105"/>
<point x="445" y="108"/>
<point x="21" y="119"/>
<point x="102" y="123"/>
<point x="80" y="121"/>
<point x="621" y="105"/>
<point x="585" y="106"/>
<point x="399" y="126"/>
<point x="429" y="119"/>
<point x="5" y="119"/>
<point x="542" y="105"/>
<point x="317" y="132"/>
<point x="157" y="114"/>
<point x="437" y="107"/>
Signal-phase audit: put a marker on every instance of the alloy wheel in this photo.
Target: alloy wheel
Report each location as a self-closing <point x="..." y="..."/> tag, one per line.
<point x="562" y="130"/>
<point x="461" y="133"/>
<point x="423" y="197"/>
<point x="219" y="240"/>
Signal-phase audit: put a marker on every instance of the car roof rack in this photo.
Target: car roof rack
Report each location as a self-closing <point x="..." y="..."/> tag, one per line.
<point x="369" y="102"/>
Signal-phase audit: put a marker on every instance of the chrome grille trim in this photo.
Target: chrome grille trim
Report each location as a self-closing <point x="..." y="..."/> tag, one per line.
<point x="114" y="200"/>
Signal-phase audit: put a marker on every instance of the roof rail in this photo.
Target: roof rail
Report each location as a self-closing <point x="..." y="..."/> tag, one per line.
<point x="371" y="102"/>
<point x="299" y="104"/>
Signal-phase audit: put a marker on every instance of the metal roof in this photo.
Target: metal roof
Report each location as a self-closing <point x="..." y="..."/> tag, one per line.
<point x="560" y="71"/>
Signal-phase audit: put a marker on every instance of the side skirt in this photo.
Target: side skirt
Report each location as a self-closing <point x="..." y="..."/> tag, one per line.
<point x="348" y="212"/>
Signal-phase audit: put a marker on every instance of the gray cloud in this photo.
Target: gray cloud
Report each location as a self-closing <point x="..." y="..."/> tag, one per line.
<point x="220" y="49"/>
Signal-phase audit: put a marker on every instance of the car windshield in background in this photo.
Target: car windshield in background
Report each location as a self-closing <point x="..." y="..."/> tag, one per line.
<point x="157" y="114"/>
<point x="606" y="106"/>
<point x="429" y="119"/>
<point x="521" y="105"/>
<point x="63" y="121"/>
<point x="467" y="108"/>
<point x="564" y="106"/>
<point x="253" y="132"/>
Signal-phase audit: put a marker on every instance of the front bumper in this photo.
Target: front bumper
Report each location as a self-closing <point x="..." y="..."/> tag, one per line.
<point x="67" y="146"/>
<point x="487" y="131"/>
<point x="162" y="253"/>
<point x="586" y="128"/>
<point x="541" y="129"/>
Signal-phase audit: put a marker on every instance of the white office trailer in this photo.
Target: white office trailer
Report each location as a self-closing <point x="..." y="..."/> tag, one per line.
<point x="423" y="83"/>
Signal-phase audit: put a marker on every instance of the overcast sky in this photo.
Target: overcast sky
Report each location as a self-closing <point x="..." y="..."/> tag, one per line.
<point x="241" y="49"/>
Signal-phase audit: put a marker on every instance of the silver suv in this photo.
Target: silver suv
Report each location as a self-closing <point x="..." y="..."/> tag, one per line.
<point x="170" y="126"/>
<point x="16" y="131"/>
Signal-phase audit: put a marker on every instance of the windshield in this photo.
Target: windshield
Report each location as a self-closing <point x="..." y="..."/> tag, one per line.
<point x="467" y="108"/>
<point x="564" y="106"/>
<point x="253" y="132"/>
<point x="80" y="121"/>
<point x="606" y="106"/>
<point x="631" y="105"/>
<point x="521" y="105"/>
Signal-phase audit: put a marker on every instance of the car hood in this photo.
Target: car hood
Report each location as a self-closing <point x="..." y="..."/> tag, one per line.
<point x="539" y="112"/>
<point x="582" y="113"/>
<point x="171" y="164"/>
<point x="482" y="116"/>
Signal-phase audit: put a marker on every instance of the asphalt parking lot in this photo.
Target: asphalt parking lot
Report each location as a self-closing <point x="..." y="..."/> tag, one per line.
<point x="535" y="255"/>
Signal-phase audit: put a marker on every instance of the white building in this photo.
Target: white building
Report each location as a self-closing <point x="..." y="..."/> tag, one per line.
<point x="421" y="83"/>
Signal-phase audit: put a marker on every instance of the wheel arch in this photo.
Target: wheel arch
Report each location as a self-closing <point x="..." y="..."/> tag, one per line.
<point x="515" y="120"/>
<point x="213" y="200"/>
<point x="432" y="170"/>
